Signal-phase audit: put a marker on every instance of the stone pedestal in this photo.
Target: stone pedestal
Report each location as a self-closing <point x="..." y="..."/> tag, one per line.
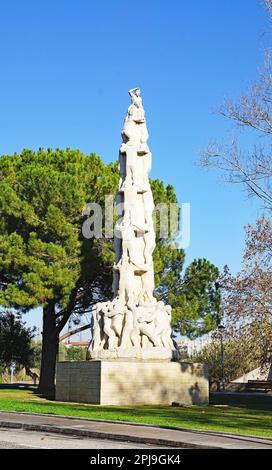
<point x="130" y="382"/>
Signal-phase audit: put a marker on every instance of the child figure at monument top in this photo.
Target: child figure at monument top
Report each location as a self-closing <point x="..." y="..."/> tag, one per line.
<point x="136" y="110"/>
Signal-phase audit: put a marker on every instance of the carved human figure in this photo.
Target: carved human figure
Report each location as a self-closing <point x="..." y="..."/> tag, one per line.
<point x="136" y="109"/>
<point x="148" y="284"/>
<point x="113" y="314"/>
<point x="97" y="327"/>
<point x="133" y="204"/>
<point x="162" y="325"/>
<point x="98" y="334"/>
<point x="127" y="339"/>
<point x="134" y="131"/>
<point x="128" y="238"/>
<point x="142" y="324"/>
<point x="131" y="166"/>
<point x="134" y="168"/>
<point x="122" y="167"/>
<point x="132" y="331"/>
<point x="126" y="279"/>
<point x="146" y="316"/>
<point x="166" y="338"/>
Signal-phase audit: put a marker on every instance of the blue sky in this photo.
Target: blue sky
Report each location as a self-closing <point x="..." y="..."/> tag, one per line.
<point x="66" y="66"/>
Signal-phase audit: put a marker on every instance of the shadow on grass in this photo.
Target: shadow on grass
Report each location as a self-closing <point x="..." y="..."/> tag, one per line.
<point x="231" y="419"/>
<point x="254" y="401"/>
<point x="19" y="386"/>
<point x="22" y="387"/>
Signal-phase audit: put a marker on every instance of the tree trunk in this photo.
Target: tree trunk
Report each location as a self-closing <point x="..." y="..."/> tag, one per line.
<point x="50" y="343"/>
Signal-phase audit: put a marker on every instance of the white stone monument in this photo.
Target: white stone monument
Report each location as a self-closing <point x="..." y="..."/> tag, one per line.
<point x="133" y="324"/>
<point x="131" y="358"/>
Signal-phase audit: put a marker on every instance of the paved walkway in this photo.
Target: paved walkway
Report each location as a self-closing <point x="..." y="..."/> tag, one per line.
<point x="130" y="432"/>
<point x="21" y="439"/>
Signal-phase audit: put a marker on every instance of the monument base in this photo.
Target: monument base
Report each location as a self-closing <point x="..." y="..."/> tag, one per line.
<point x="132" y="382"/>
<point x="146" y="354"/>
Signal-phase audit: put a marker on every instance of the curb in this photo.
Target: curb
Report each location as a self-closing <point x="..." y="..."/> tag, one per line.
<point x="101" y="435"/>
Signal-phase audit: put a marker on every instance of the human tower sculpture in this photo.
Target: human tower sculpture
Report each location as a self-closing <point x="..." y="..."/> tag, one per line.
<point x="133" y="324"/>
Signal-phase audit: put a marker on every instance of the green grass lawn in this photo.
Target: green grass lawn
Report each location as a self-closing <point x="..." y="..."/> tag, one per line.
<point x="255" y="420"/>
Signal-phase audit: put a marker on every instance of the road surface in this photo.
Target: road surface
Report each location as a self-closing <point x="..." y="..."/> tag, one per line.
<point x="21" y="439"/>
